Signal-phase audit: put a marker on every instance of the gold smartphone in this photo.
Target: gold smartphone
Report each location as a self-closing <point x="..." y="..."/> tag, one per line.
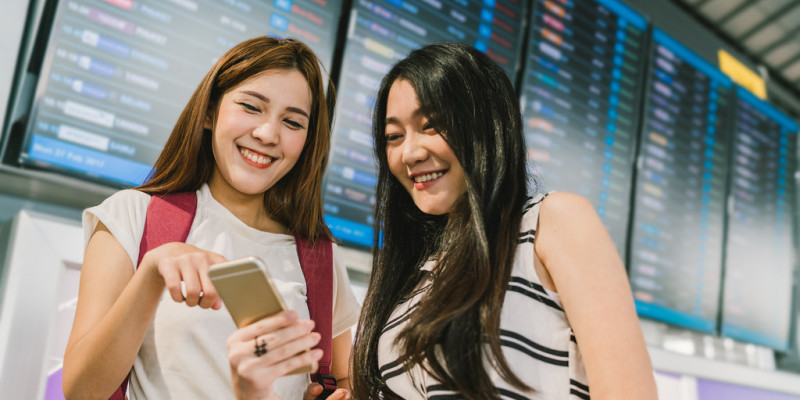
<point x="246" y="290"/>
<point x="248" y="293"/>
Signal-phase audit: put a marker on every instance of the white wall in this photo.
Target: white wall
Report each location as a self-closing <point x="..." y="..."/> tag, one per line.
<point x="12" y="23"/>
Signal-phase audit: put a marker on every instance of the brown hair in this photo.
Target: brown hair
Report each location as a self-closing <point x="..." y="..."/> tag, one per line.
<point x="187" y="162"/>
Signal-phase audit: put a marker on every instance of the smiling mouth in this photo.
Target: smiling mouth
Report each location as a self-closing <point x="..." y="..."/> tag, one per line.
<point x="428" y="177"/>
<point x="256" y="158"/>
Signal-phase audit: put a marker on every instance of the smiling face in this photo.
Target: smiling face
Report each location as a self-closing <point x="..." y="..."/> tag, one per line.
<point x="418" y="155"/>
<point x="259" y="132"/>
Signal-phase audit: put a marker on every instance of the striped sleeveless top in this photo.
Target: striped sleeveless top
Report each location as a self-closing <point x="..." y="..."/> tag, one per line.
<point x="536" y="337"/>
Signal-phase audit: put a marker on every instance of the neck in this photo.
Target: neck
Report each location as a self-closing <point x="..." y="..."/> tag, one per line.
<point x="249" y="208"/>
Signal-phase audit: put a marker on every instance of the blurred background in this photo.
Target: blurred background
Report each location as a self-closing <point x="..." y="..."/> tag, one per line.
<point x="676" y="118"/>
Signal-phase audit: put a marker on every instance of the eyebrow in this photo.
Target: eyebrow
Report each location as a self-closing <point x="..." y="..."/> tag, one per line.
<point x="392" y="121"/>
<point x="266" y="100"/>
<point x="395" y="121"/>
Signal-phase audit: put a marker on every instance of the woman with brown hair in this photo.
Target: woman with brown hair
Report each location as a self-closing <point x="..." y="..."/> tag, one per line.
<point x="478" y="290"/>
<point x="252" y="144"/>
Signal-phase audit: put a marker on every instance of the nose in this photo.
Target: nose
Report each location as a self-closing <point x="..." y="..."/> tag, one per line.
<point x="267" y="132"/>
<point x="413" y="149"/>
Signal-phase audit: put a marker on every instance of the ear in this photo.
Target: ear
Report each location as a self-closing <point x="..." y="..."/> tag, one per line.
<point x="208" y="121"/>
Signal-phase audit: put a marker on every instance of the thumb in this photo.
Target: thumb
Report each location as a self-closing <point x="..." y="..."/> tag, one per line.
<point x="313" y="390"/>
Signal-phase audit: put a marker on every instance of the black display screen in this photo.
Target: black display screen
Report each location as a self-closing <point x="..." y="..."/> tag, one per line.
<point x="580" y="98"/>
<point x="380" y="34"/>
<point x="117" y="74"/>
<point x="678" y="224"/>
<point x="759" y="263"/>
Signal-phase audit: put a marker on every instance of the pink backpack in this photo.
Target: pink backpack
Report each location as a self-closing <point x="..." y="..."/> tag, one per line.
<point x="169" y="219"/>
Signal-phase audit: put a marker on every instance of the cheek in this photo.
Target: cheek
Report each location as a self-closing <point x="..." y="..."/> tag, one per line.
<point x="395" y="166"/>
<point x="295" y="144"/>
<point x="226" y="119"/>
<point x="462" y="182"/>
<point x="215" y="144"/>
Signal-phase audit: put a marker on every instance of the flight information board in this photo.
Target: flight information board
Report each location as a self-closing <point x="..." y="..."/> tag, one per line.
<point x="380" y="34"/>
<point x="759" y="263"/>
<point x="680" y="190"/>
<point x="117" y="74"/>
<point x="580" y="99"/>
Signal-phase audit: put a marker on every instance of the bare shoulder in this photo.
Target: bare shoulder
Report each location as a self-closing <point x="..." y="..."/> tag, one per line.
<point x="567" y="208"/>
<point x="568" y="223"/>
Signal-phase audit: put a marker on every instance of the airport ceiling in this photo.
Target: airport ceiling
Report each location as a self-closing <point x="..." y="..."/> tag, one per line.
<point x="766" y="30"/>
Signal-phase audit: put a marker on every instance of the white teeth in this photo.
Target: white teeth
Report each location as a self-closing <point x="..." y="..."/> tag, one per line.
<point x="428" y="177"/>
<point x="256" y="158"/>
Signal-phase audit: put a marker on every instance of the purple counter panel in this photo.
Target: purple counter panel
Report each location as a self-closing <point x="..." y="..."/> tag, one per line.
<point x="713" y="390"/>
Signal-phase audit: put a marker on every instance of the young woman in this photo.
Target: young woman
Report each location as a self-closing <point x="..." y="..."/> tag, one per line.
<point x="478" y="291"/>
<point x="252" y="144"/>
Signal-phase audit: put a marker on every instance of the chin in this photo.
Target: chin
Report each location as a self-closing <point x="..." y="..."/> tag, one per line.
<point x="250" y="188"/>
<point x="434" y="209"/>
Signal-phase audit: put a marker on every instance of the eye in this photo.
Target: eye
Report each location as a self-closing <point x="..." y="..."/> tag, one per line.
<point x="427" y="126"/>
<point x="248" y="107"/>
<point x="392" y="137"/>
<point x="293" y="124"/>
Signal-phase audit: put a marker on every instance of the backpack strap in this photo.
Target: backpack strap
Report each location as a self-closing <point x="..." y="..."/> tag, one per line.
<point x="316" y="260"/>
<point x="169" y="219"/>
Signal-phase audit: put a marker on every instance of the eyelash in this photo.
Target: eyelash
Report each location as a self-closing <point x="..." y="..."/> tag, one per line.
<point x="252" y="108"/>
<point x="392" y="137"/>
<point x="294" y="124"/>
<point x="249" y="107"/>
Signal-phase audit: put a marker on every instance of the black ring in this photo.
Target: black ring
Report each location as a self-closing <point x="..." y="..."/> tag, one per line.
<point x="261" y="349"/>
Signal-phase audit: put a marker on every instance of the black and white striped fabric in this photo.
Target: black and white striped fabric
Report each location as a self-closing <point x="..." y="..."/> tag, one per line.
<point x="536" y="337"/>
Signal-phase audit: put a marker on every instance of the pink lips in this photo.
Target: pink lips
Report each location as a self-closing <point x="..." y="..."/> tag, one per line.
<point x="253" y="163"/>
<point x="425" y="185"/>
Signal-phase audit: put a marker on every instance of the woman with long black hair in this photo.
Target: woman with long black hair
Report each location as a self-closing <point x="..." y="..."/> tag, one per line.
<point x="478" y="290"/>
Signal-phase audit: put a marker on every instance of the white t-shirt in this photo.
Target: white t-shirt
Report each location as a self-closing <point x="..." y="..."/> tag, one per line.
<point x="184" y="351"/>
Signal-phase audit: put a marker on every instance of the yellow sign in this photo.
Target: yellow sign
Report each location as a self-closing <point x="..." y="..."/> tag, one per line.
<point x="742" y="75"/>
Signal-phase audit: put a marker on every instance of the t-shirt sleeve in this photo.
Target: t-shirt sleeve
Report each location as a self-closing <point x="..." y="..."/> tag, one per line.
<point x="123" y="213"/>
<point x="345" y="305"/>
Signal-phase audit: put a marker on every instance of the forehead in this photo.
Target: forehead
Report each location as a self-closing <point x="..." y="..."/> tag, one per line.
<point x="402" y="100"/>
<point x="283" y="85"/>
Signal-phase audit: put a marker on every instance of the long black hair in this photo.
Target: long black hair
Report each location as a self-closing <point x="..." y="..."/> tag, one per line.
<point x="470" y="101"/>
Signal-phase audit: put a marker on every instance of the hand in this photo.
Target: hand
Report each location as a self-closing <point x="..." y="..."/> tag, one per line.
<point x="315" y="389"/>
<point x="175" y="263"/>
<point x="284" y="341"/>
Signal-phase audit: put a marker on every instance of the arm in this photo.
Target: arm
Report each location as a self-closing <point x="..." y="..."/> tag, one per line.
<point x="341" y="348"/>
<point x="116" y="305"/>
<point x="340" y="368"/>
<point x="577" y="253"/>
